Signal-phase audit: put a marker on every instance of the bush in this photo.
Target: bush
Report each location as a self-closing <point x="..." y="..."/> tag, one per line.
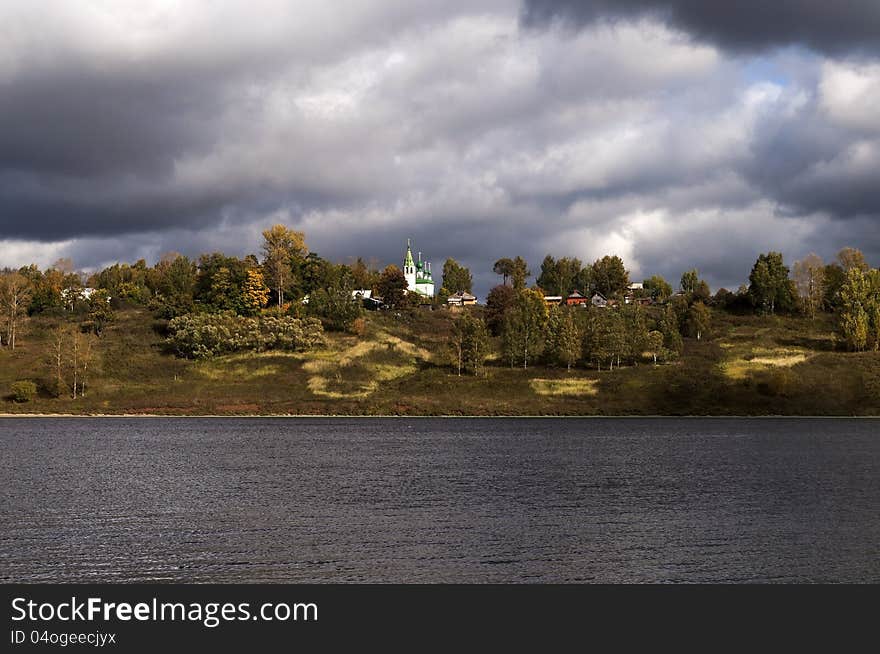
<point x="204" y="335"/>
<point x="24" y="391"/>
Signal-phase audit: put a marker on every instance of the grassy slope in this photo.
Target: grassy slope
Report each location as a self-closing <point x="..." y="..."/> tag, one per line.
<point x="749" y="366"/>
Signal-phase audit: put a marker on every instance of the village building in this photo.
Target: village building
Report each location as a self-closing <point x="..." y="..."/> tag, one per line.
<point x="576" y="298"/>
<point x="418" y="274"/>
<point x="552" y="300"/>
<point x="598" y="300"/>
<point x="461" y="299"/>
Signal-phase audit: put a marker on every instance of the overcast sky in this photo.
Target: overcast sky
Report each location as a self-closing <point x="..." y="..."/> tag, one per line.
<point x="675" y="134"/>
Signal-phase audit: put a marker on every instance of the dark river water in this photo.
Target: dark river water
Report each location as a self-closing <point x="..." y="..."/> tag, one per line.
<point x="439" y="500"/>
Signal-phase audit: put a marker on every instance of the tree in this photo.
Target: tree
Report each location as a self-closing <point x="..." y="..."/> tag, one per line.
<point x="456" y="277"/>
<point x="516" y="270"/>
<point x="548" y="279"/>
<point x="503" y="267"/>
<point x="392" y="286"/>
<point x="659" y="289"/>
<point x="15" y="296"/>
<point x="498" y="302"/>
<point x="336" y="307"/>
<point x="654" y="344"/>
<point x="519" y="273"/>
<point x="609" y="276"/>
<point x="769" y="284"/>
<point x="833" y="276"/>
<point x="858" y="301"/>
<point x="255" y="294"/>
<point x="280" y="246"/>
<point x="469" y="344"/>
<point x="669" y="327"/>
<point x="524" y="327"/>
<point x="100" y="312"/>
<point x="809" y="279"/>
<point x="698" y="318"/>
<point x="561" y="277"/>
<point x="563" y="337"/>
<point x="850" y="258"/>
<point x="689" y="280"/>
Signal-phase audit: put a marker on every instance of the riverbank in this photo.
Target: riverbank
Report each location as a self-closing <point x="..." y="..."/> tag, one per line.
<point x="746" y="366"/>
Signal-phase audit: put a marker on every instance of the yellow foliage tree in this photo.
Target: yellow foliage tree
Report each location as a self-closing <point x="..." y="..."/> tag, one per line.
<point x="256" y="293"/>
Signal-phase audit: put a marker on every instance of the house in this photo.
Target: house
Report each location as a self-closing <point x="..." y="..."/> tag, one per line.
<point x="552" y="300"/>
<point x="598" y="300"/>
<point x="461" y="299"/>
<point x="635" y="294"/>
<point x="372" y="303"/>
<point x="362" y="294"/>
<point x="576" y="298"/>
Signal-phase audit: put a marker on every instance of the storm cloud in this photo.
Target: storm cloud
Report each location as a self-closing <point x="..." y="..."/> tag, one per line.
<point x="666" y="133"/>
<point x="836" y="27"/>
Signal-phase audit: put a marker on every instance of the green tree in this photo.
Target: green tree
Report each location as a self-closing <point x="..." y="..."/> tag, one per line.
<point x="670" y="328"/>
<point x="563" y="337"/>
<point x="100" y="311"/>
<point x="524" y="327"/>
<point x="498" y="302"/>
<point x="392" y="286"/>
<point x="548" y="279"/>
<point x="856" y="307"/>
<point x="336" y="307"/>
<point x="769" y="285"/>
<point x="519" y="273"/>
<point x="469" y="344"/>
<point x="659" y="289"/>
<point x="456" y="277"/>
<point x="698" y="319"/>
<point x="689" y="281"/>
<point x="609" y="276"/>
<point x="654" y="345"/>
<point x="503" y="267"/>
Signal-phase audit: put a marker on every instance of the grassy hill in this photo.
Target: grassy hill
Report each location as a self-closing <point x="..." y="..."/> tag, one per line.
<point x="748" y="365"/>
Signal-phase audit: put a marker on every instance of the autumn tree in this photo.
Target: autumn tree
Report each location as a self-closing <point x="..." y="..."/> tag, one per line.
<point x="809" y="278"/>
<point x="15" y="296"/>
<point x="849" y="258"/>
<point x="255" y="294"/>
<point x="280" y="246"/>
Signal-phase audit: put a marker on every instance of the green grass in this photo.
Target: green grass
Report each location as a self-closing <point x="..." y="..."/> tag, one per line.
<point x="749" y="365"/>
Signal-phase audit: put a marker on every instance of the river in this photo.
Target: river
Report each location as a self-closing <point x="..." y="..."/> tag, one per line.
<point x="299" y="500"/>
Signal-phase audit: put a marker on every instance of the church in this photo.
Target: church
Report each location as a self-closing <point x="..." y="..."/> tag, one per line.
<point x="418" y="275"/>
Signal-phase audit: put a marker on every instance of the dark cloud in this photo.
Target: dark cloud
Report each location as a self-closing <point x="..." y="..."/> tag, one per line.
<point x="442" y="122"/>
<point x="833" y="27"/>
